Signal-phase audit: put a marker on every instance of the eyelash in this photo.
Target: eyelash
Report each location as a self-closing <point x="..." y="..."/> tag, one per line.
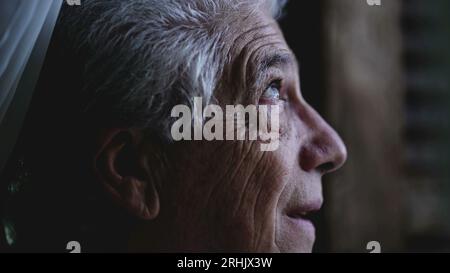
<point x="278" y="84"/>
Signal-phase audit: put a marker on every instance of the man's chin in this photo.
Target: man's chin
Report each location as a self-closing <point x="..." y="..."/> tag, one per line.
<point x="297" y="235"/>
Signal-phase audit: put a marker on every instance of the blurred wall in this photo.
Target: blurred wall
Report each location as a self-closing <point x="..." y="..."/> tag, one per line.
<point x="365" y="199"/>
<point x="426" y="27"/>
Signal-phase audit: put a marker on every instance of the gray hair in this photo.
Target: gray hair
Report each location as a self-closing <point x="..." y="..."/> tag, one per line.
<point x="145" y="56"/>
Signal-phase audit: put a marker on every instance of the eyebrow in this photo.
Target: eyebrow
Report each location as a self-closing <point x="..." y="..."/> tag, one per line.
<point x="277" y="59"/>
<point x="274" y="59"/>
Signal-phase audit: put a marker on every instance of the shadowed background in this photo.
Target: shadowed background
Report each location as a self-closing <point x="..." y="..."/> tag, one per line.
<point x="379" y="75"/>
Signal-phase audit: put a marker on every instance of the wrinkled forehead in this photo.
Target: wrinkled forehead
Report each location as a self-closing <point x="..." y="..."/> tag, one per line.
<point x="253" y="39"/>
<point x="253" y="29"/>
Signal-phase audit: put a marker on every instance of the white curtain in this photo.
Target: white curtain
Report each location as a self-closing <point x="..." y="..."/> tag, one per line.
<point x="25" y="31"/>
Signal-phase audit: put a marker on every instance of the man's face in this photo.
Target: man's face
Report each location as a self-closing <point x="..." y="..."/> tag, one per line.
<point x="230" y="195"/>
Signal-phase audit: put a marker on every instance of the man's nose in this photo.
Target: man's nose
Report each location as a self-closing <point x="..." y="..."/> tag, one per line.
<point x="324" y="150"/>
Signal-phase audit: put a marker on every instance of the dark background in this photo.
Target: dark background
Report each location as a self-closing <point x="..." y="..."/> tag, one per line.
<point x="380" y="76"/>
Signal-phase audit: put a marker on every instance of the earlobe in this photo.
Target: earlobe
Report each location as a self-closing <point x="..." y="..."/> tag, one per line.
<point x="118" y="166"/>
<point x="139" y="198"/>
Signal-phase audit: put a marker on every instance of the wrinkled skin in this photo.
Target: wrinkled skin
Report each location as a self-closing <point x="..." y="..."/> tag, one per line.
<point x="229" y="195"/>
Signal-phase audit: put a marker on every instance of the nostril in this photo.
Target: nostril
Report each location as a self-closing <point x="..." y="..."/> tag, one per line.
<point x="326" y="167"/>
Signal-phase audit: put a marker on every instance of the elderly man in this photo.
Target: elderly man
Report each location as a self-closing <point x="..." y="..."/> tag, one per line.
<point x="102" y="166"/>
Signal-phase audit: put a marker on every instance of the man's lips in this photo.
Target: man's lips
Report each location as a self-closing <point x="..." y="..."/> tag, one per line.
<point x="305" y="212"/>
<point x="301" y="218"/>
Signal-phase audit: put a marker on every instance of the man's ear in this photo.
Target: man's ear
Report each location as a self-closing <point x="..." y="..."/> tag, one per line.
<point x="120" y="166"/>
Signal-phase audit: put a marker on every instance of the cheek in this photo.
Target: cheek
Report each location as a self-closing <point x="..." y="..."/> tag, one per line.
<point x="229" y="202"/>
<point x="248" y="197"/>
<point x="228" y="193"/>
<point x="260" y="196"/>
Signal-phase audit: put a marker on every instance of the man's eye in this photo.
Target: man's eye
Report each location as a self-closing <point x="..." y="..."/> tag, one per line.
<point x="273" y="91"/>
